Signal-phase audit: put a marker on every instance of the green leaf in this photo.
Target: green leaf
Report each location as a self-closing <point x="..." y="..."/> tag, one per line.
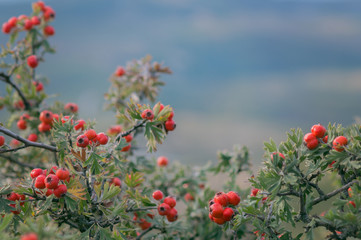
<point x="6" y="221"/>
<point x="96" y="168"/>
<point x="123" y="143"/>
<point x="110" y="191"/>
<point x="71" y="203"/>
<point x="45" y="205"/>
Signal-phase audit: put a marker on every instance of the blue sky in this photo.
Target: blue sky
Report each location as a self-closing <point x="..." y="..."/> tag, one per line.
<point x="244" y="71"/>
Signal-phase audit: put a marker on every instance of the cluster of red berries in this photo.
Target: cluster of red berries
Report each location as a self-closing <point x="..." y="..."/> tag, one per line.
<point x="29" y="236"/>
<point x="24" y="22"/>
<point x="51" y="181"/>
<point x="167" y="207"/>
<point x="313" y="138"/>
<point x="317" y="135"/>
<point x="91" y="137"/>
<point x="16" y="197"/>
<point x="219" y="212"/>
<point x="169" y="125"/>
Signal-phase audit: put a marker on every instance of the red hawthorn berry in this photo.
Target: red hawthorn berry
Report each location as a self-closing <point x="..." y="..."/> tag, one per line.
<point x="188" y="197"/>
<point x="116" y="181"/>
<point x="211" y="217"/>
<point x="163" y="209"/>
<point x="350" y="193"/>
<point x="49" y="13"/>
<point x="171" y="115"/>
<point x="228" y="214"/>
<point x="114" y="130"/>
<point x="13" y="197"/>
<point x="46" y="117"/>
<point x="254" y="192"/>
<point x="21" y="124"/>
<point x="53" y="170"/>
<point x="51" y="181"/>
<point x="120" y="72"/>
<point x="216" y="210"/>
<point x="49" y="192"/>
<point x="264" y="199"/>
<point x="309" y="137"/>
<point x="13" y="21"/>
<point x="102" y="138"/>
<point x="32" y="61"/>
<point x="28" y="25"/>
<point x="172" y="215"/>
<point x="128" y="138"/>
<point x="38" y="86"/>
<point x="25" y="116"/>
<point x="40" y="5"/>
<point x="91" y="134"/>
<point x="82" y="141"/>
<point x="157" y="195"/>
<point x="49" y="31"/>
<point x="2" y="140"/>
<point x="325" y="139"/>
<point x="72" y="107"/>
<point x="79" y="125"/>
<point x="35" y="20"/>
<point x="33" y="137"/>
<point x="22" y="17"/>
<point x="233" y="198"/>
<point x="170" y="201"/>
<point x="201" y="185"/>
<point x="144" y="225"/>
<point x="55" y="117"/>
<point x="162" y="161"/>
<point x="36" y="172"/>
<point x="6" y="28"/>
<point x="312" y="144"/>
<point x="280" y="155"/>
<point x="62" y="173"/>
<point x="65" y="119"/>
<point x="221" y="198"/>
<point x="211" y="202"/>
<point x="169" y="125"/>
<point x="126" y="148"/>
<point x="352" y="203"/>
<point x="339" y="142"/>
<point x="318" y="130"/>
<point x="60" y="191"/>
<point x="219" y="221"/>
<point x="14" y="143"/>
<point x="147" y="114"/>
<point x="44" y="127"/>
<point x="40" y="182"/>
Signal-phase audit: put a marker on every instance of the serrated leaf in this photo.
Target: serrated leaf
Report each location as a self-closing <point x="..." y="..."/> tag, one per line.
<point x="110" y="191"/>
<point x="123" y="143"/>
<point x="77" y="193"/>
<point x="6" y="221"/>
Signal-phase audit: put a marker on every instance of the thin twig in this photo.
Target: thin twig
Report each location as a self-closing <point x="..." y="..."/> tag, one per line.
<point x="124" y="134"/>
<point x="25" y="141"/>
<point x="333" y="193"/>
<point x="6" y="78"/>
<point x="12" y="160"/>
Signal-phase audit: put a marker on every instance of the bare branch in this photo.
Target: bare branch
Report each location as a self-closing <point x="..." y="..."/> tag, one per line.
<point x="124" y="134"/>
<point x="25" y="141"/>
<point x="12" y="160"/>
<point x="333" y="193"/>
<point x="6" y="78"/>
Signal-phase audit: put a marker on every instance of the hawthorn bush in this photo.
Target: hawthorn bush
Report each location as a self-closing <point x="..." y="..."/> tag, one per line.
<point x="62" y="179"/>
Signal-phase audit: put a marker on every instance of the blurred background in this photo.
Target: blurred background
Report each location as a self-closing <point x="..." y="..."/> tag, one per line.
<point x="243" y="71"/>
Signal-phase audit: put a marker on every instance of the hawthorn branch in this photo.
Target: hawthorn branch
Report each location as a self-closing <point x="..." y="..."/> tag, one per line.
<point x="12" y="160"/>
<point x="6" y="78"/>
<point x="26" y="142"/>
<point x="147" y="231"/>
<point x="333" y="193"/>
<point x="139" y="209"/>
<point x="135" y="127"/>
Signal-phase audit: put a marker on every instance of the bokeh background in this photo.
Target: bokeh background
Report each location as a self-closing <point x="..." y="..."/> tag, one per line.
<point x="244" y="71"/>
